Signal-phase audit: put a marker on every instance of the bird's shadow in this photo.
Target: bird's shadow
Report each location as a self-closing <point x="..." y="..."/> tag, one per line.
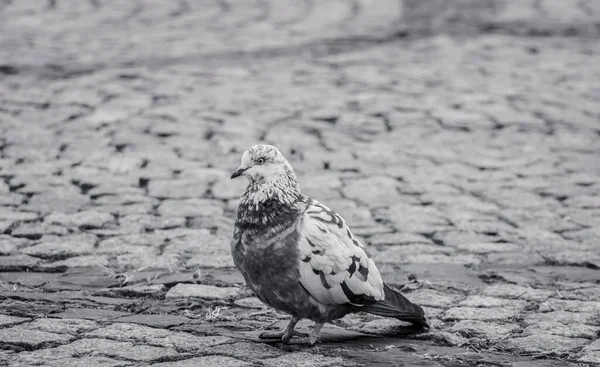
<point x="331" y="334"/>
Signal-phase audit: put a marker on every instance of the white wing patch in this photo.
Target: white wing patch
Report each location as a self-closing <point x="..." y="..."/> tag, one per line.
<point x="335" y="268"/>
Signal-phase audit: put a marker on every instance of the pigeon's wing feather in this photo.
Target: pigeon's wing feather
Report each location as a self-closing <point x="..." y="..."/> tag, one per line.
<point x="335" y="268"/>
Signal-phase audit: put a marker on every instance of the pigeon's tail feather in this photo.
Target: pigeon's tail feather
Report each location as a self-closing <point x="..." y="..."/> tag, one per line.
<point x="396" y="305"/>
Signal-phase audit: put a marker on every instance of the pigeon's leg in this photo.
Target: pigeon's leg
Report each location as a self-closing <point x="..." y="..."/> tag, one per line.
<point x="284" y="335"/>
<point x="314" y="335"/>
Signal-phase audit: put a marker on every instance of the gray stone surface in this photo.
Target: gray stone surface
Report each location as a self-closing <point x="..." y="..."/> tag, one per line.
<point x="306" y="360"/>
<point x="208" y="292"/>
<point x="6" y="321"/>
<point x="22" y="337"/>
<point x="62" y="326"/>
<point x="458" y="139"/>
<point x="206" y="361"/>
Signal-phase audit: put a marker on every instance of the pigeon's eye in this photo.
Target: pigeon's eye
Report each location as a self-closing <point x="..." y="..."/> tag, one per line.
<point x="260" y="160"/>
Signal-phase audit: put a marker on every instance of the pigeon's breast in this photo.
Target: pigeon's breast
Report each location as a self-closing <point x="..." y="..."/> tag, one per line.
<point x="270" y="268"/>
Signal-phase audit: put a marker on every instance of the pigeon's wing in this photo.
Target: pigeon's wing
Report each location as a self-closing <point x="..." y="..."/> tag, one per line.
<point x="335" y="268"/>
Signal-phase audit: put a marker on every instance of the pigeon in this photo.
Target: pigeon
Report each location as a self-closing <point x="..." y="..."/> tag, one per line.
<point x="300" y="257"/>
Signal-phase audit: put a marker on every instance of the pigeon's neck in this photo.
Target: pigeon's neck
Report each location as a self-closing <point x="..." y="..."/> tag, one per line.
<point x="267" y="203"/>
<point x="282" y="187"/>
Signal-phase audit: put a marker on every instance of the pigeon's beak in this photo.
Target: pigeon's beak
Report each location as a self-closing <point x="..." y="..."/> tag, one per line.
<point x="240" y="171"/>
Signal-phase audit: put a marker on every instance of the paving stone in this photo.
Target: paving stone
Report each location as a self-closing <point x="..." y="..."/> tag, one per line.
<point x="471" y="313"/>
<point x="206" y="361"/>
<point x="129" y="209"/>
<point x="250" y="302"/>
<point x="20" y="337"/>
<point x="18" y="262"/>
<point x="87" y="238"/>
<point x="7" y="241"/>
<point x="515" y="258"/>
<point x="60" y="249"/>
<point x="433" y="298"/>
<point x="64" y="359"/>
<point x="155" y="320"/>
<point x="68" y="296"/>
<point x="570" y="331"/>
<point x="159" y="337"/>
<point x="412" y="218"/>
<point x="115" y="349"/>
<point x="247" y="350"/>
<point x="455" y="238"/>
<point x="190" y="208"/>
<point x="76" y="262"/>
<point x="569" y="305"/>
<point x="590" y="357"/>
<point x="218" y="225"/>
<point x="483" y="301"/>
<point x="305" y="359"/>
<point x="583" y="234"/>
<point x="319" y="186"/>
<point x="11" y="198"/>
<point x="157" y="276"/>
<point x="202" y="248"/>
<point x="353" y="214"/>
<point x="5" y="225"/>
<point x="57" y="201"/>
<point x="81" y="279"/>
<point x="145" y="259"/>
<point x="398" y="238"/>
<point x="425" y="258"/>
<point x="586" y="293"/>
<point x="202" y="291"/>
<point x="205" y="174"/>
<point x="7" y="248"/>
<point x="87" y="362"/>
<point x="226" y="188"/>
<point x="153" y="222"/>
<point x="372" y="191"/>
<point x="591" y="353"/>
<point x="37" y="230"/>
<point x="589" y="258"/>
<point x="545" y="343"/>
<point x="125" y="199"/>
<point x="62" y="326"/>
<point x="459" y="119"/>
<point x="517" y="292"/>
<point x="141" y="290"/>
<point x="447" y="338"/>
<point x="86" y="219"/>
<point x="17" y="216"/>
<point x="490" y="329"/>
<point x="563" y="317"/>
<point x="176" y="189"/>
<point x="90" y="314"/>
<point x="485" y="248"/>
<point x="219" y="277"/>
<point x="131" y="243"/>
<point x="6" y="320"/>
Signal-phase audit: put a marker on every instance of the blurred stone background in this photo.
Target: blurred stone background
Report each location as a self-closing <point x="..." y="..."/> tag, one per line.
<point x="459" y="139"/>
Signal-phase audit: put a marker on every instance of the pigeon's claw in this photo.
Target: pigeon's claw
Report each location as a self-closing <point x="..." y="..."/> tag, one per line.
<point x="314" y="335"/>
<point x="284" y="335"/>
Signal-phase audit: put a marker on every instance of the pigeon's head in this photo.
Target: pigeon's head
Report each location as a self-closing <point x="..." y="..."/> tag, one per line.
<point x="264" y="163"/>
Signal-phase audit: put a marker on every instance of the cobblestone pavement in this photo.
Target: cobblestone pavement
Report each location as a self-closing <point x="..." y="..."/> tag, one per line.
<point x="461" y="140"/>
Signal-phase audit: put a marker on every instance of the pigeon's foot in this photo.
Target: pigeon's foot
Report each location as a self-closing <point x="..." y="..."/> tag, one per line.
<point x="314" y="335"/>
<point x="313" y="338"/>
<point x="283" y="335"/>
<point x="286" y="334"/>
